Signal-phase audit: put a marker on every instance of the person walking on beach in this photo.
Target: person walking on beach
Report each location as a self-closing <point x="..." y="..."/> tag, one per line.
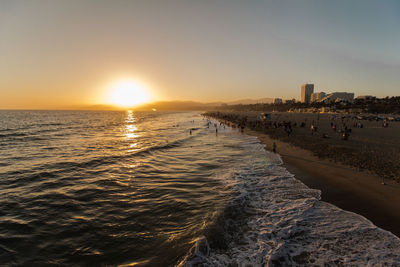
<point x="274" y="147"/>
<point x="312" y="129"/>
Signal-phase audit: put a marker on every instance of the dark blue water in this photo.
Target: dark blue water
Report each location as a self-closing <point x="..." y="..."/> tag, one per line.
<point x="108" y="187"/>
<point x="128" y="188"/>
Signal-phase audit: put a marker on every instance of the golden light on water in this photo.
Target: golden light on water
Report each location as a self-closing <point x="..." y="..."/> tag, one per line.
<point x="130" y="131"/>
<point x="128" y="93"/>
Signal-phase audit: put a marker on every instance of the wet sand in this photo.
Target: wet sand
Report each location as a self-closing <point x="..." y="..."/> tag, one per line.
<point x="343" y="186"/>
<point x="347" y="186"/>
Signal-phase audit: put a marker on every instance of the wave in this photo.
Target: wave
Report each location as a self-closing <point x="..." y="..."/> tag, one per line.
<point x="13" y="135"/>
<point x="35" y="133"/>
<point x="21" y="137"/>
<point x="53" y="169"/>
<point x="276" y="220"/>
<point x="222" y="195"/>
<point x="37" y="125"/>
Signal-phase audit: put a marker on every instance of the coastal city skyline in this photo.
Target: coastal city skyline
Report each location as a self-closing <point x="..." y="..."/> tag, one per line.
<point x="68" y="54"/>
<point x="200" y="133"/>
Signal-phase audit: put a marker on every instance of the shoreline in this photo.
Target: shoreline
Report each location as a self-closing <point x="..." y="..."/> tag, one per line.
<point x="352" y="190"/>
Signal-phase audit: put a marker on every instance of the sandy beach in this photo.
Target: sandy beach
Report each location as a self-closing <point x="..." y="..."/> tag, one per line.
<point x="336" y="166"/>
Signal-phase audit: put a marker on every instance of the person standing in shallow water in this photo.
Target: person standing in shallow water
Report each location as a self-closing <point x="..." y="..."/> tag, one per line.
<point x="274" y="147"/>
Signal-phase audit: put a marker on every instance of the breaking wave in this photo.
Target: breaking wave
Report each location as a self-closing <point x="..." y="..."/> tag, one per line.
<point x="276" y="220"/>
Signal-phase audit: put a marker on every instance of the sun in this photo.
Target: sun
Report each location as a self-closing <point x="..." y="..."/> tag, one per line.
<point x="128" y="93"/>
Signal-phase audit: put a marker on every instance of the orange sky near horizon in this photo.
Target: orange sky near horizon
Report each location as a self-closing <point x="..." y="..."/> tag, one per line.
<point x="65" y="54"/>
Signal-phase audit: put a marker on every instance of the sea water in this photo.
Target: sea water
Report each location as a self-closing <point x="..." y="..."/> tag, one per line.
<point x="90" y="188"/>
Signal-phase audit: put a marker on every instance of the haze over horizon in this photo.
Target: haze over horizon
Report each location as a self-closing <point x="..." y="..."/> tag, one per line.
<point x="67" y="53"/>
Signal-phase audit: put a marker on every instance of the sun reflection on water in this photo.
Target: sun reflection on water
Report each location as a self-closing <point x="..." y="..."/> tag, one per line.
<point x="131" y="129"/>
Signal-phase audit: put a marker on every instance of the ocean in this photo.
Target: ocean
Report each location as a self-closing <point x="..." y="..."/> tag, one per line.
<point x="123" y="188"/>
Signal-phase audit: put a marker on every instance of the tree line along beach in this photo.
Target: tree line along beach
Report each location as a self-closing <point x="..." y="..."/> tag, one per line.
<point x="353" y="160"/>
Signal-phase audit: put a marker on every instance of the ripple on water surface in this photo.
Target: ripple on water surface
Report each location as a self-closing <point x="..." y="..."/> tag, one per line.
<point x="111" y="188"/>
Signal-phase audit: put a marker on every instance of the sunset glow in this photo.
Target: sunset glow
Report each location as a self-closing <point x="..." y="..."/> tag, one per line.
<point x="128" y="93"/>
<point x="200" y="133"/>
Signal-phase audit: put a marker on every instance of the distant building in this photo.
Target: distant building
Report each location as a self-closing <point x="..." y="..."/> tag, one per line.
<point x="290" y="101"/>
<point x="306" y="91"/>
<point x="338" y="96"/>
<point x="278" y="101"/>
<point x="316" y="97"/>
<point x="365" y="97"/>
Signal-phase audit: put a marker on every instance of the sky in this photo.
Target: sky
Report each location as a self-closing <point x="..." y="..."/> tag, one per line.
<point x="67" y="53"/>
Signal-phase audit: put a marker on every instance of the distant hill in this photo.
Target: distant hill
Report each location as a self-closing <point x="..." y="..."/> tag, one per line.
<point x="266" y="100"/>
<point x="192" y="105"/>
<point x="175" y="105"/>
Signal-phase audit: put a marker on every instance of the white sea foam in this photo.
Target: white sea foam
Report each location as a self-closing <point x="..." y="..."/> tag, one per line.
<point x="286" y="224"/>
